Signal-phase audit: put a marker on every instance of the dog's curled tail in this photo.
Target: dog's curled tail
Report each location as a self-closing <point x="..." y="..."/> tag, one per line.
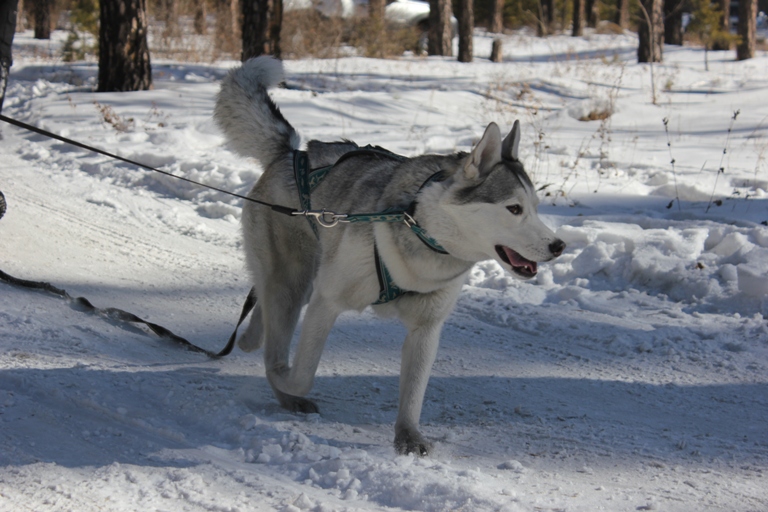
<point x="250" y="120"/>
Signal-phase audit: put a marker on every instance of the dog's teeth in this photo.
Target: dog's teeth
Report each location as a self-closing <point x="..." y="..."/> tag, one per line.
<point x="516" y="261"/>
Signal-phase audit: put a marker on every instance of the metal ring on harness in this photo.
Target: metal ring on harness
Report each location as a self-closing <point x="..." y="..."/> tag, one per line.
<point x="409" y="221"/>
<point x="324" y="217"/>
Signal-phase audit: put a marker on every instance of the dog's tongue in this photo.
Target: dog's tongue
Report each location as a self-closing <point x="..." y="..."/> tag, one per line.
<point x="518" y="261"/>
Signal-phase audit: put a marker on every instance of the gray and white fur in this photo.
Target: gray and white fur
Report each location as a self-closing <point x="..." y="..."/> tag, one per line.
<point x="483" y="206"/>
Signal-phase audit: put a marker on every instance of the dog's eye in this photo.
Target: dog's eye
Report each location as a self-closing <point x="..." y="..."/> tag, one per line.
<point x="515" y="209"/>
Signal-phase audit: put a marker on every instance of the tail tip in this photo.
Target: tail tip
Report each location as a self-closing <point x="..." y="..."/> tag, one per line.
<point x="264" y="71"/>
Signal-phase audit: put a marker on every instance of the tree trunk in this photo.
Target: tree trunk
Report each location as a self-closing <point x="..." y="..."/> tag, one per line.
<point x="747" y="28"/>
<point x="42" y="19"/>
<point x="21" y="18"/>
<point x="440" y="29"/>
<point x="651" y="36"/>
<point x="622" y="14"/>
<point x="578" y="18"/>
<point x="200" y="15"/>
<point x="123" y="52"/>
<point x="262" y="21"/>
<point x="466" y="27"/>
<point x="8" y="15"/>
<point x="673" y="22"/>
<point x="549" y="15"/>
<point x="541" y="29"/>
<point x="725" y="26"/>
<point x="592" y="13"/>
<point x="496" y="54"/>
<point x="497" y="17"/>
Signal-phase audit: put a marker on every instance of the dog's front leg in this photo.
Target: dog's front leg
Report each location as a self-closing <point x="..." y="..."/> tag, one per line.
<point x="419" y="353"/>
<point x="297" y="380"/>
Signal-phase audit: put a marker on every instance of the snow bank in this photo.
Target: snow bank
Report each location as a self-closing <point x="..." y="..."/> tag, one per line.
<point x="704" y="265"/>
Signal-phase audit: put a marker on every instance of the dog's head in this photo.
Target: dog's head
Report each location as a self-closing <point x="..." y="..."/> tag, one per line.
<point x="493" y="205"/>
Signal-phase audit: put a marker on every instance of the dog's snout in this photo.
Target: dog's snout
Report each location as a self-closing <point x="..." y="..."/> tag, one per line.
<point x="557" y="247"/>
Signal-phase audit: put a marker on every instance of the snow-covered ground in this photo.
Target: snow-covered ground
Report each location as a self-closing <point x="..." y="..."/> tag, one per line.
<point x="631" y="374"/>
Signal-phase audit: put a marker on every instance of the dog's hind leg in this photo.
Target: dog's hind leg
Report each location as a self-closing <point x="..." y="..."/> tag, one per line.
<point x="280" y="314"/>
<point x="297" y="380"/>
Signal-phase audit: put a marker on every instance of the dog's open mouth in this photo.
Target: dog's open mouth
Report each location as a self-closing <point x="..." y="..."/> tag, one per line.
<point x="520" y="266"/>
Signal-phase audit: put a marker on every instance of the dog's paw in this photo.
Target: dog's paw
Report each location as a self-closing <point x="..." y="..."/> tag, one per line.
<point x="411" y="441"/>
<point x="297" y="404"/>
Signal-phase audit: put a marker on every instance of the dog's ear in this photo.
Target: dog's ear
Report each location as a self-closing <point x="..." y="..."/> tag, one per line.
<point x="485" y="155"/>
<point x="512" y="142"/>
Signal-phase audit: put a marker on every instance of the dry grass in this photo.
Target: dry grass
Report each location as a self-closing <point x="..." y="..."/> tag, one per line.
<point x="306" y="33"/>
<point x="608" y="27"/>
<point x="392" y="41"/>
<point x="597" y="115"/>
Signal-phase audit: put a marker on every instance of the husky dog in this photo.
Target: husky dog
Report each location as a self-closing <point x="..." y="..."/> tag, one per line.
<point x="471" y="207"/>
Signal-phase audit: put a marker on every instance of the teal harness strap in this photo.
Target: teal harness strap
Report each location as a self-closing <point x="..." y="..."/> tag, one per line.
<point x="301" y="175"/>
<point x="307" y="180"/>
<point x="388" y="290"/>
<point x="398" y="216"/>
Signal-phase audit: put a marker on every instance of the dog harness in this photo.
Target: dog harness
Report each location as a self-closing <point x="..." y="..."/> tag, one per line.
<point x="308" y="179"/>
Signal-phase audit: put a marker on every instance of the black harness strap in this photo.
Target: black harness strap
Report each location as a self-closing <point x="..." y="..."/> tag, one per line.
<point x="83" y="304"/>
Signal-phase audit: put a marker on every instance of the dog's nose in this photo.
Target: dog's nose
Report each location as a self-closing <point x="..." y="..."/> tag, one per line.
<point x="557" y="247"/>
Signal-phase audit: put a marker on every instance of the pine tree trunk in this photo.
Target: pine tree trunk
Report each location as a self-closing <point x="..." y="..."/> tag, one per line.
<point x="622" y="13"/>
<point x="21" y="18"/>
<point x="200" y="14"/>
<point x="578" y="18"/>
<point x="497" y="17"/>
<point x="549" y="15"/>
<point x="8" y="15"/>
<point x="725" y="22"/>
<point x="673" y="22"/>
<point x="747" y="29"/>
<point x="123" y="52"/>
<point x="42" y="19"/>
<point x="262" y="21"/>
<point x="466" y="17"/>
<point x="496" y="53"/>
<point x="276" y="27"/>
<point x="651" y="37"/>
<point x="592" y="13"/>
<point x="545" y="21"/>
<point x="440" y="29"/>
